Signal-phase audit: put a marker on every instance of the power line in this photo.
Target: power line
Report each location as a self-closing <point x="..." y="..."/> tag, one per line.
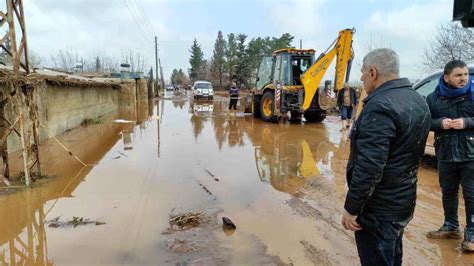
<point x="143" y="31"/>
<point x="137" y="21"/>
<point x="145" y="16"/>
<point x="136" y="10"/>
<point x="140" y="17"/>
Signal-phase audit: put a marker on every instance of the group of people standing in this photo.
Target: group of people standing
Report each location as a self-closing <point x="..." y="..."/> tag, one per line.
<point x="387" y="143"/>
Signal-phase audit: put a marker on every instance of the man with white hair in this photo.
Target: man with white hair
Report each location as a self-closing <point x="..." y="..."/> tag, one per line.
<point x="387" y="143"/>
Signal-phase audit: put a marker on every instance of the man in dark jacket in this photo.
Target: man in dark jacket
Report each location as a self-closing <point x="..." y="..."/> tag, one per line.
<point x="387" y="143"/>
<point x="346" y="101"/>
<point x="452" y="112"/>
<point x="234" y="97"/>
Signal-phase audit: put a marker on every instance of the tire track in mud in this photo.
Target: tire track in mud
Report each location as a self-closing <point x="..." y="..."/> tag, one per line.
<point x="417" y="251"/>
<point x="132" y="232"/>
<point x="146" y="188"/>
<point x="316" y="256"/>
<point x="318" y="203"/>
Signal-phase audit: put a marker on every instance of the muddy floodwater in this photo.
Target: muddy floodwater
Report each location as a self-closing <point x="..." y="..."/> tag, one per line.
<point x="282" y="185"/>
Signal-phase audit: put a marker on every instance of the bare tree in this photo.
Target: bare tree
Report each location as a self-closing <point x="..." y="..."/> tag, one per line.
<point x="65" y="60"/>
<point x="137" y="61"/>
<point x="451" y="41"/>
<point x="107" y="63"/>
<point x="34" y="59"/>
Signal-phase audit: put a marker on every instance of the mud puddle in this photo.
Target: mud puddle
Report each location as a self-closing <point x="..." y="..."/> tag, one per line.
<point x="282" y="185"/>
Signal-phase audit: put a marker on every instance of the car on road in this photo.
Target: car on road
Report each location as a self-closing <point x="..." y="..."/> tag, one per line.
<point x="203" y="89"/>
<point x="426" y="86"/>
<point x="169" y="88"/>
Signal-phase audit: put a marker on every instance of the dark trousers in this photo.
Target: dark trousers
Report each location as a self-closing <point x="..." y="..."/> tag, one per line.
<point x="451" y="177"/>
<point x="381" y="245"/>
<point x="346" y="112"/>
<point x="233" y="103"/>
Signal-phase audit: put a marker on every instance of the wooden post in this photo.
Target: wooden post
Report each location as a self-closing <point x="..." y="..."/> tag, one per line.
<point x="4" y="131"/>
<point x="19" y="97"/>
<point x="24" y="101"/>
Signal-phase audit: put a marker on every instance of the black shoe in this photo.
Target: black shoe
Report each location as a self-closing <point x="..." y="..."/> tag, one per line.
<point x="445" y="232"/>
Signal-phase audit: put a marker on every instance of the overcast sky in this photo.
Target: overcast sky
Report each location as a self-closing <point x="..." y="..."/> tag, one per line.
<point x="86" y="26"/>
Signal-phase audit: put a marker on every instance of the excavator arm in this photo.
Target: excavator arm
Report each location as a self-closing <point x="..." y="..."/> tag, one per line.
<point x="342" y="49"/>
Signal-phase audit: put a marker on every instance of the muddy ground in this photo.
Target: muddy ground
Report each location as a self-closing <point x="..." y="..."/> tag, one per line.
<point x="282" y="185"/>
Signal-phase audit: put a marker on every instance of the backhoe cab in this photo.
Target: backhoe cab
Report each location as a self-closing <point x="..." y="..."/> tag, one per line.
<point x="288" y="80"/>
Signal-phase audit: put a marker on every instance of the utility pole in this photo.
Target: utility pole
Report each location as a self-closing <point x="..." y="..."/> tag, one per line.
<point x="161" y="74"/>
<point x="156" y="60"/>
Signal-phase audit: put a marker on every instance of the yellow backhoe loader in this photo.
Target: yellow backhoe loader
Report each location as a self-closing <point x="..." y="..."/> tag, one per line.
<point x="288" y="80"/>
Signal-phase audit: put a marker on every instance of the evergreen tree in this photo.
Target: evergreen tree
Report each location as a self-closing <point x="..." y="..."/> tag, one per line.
<point x="195" y="60"/>
<point x="182" y="79"/>
<point x="283" y="42"/>
<point x="98" y="65"/>
<point x="231" y="55"/>
<point x="218" y="60"/>
<point x="242" y="65"/>
<point x="174" y="77"/>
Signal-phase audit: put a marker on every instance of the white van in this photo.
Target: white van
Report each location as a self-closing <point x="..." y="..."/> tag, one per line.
<point x="203" y="89"/>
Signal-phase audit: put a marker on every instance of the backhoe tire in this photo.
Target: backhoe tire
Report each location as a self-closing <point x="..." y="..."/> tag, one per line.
<point x="267" y="107"/>
<point x="256" y="107"/>
<point x="314" y="116"/>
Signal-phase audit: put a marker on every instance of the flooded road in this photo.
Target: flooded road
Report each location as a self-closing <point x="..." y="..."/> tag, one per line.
<point x="283" y="186"/>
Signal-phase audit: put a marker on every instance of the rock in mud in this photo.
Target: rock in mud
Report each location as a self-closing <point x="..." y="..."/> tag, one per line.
<point x="228" y="224"/>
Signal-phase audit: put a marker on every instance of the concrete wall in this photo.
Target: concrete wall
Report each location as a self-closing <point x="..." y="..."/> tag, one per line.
<point x="64" y="107"/>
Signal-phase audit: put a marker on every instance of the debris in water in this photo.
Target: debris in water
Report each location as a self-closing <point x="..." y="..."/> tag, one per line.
<point x="75" y="221"/>
<point x="209" y="172"/>
<point x="116" y="157"/>
<point x="186" y="220"/>
<point x="216" y="179"/>
<point x="205" y="188"/>
<point x="228" y="226"/>
<point x="90" y="121"/>
<point x="122" y="121"/>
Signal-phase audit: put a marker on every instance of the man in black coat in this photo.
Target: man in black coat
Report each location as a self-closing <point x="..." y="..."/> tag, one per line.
<point x="387" y="143"/>
<point x="452" y="112"/>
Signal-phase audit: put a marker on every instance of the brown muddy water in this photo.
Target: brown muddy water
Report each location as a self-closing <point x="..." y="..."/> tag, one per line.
<point x="282" y="185"/>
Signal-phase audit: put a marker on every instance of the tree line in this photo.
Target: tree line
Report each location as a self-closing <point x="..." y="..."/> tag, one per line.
<point x="234" y="58"/>
<point x="67" y="59"/>
<point x="98" y="61"/>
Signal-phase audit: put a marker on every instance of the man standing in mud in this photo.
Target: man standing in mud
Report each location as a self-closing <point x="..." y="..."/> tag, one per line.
<point x="234" y="97"/>
<point x="346" y="101"/>
<point x="387" y="143"/>
<point x="452" y="112"/>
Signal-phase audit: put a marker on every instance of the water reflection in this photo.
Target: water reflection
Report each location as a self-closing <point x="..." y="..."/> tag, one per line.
<point x="201" y="111"/>
<point x="127" y="140"/>
<point x="23" y="236"/>
<point x="286" y="155"/>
